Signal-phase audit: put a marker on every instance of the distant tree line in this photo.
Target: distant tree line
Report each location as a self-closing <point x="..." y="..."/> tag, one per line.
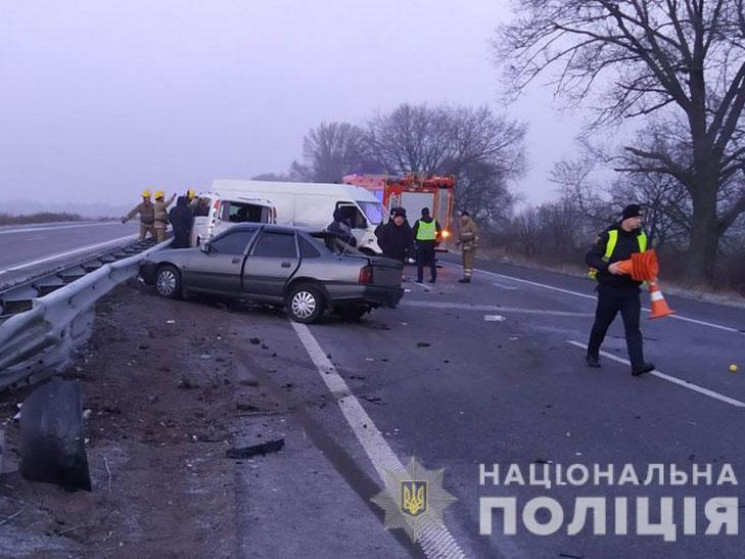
<point x="41" y="217"/>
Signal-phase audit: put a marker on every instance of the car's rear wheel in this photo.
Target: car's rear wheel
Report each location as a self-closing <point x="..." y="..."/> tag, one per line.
<point x="305" y="303"/>
<point x="168" y="282"/>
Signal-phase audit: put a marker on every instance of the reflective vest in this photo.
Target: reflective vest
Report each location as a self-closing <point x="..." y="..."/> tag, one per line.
<point x="641" y="238"/>
<point x="426" y="231"/>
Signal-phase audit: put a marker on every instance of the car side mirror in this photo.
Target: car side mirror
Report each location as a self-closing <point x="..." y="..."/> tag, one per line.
<point x="205" y="247"/>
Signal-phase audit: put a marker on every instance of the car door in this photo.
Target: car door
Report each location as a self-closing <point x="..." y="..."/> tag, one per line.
<point x="217" y="268"/>
<point x="273" y="261"/>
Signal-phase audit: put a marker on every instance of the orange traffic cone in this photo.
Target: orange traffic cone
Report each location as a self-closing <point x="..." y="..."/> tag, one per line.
<point x="659" y="305"/>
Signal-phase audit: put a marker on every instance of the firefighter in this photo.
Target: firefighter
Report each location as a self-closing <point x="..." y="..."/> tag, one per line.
<point x="617" y="291"/>
<point x="146" y="209"/>
<point x="161" y="214"/>
<point x="468" y="240"/>
<point x="427" y="233"/>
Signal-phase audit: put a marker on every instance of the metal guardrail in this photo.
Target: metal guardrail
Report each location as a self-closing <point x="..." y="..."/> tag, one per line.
<point x="18" y="296"/>
<point x="36" y="343"/>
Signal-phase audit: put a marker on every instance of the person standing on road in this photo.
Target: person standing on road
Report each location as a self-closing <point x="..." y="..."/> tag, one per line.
<point x="161" y="214"/>
<point x="468" y="241"/>
<point x="181" y="219"/>
<point x="617" y="291"/>
<point x="396" y="239"/>
<point x="146" y="209"/>
<point x="427" y="233"/>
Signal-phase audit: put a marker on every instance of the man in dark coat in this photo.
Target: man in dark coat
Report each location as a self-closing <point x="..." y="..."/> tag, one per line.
<point x="341" y="227"/>
<point x="181" y="219"/>
<point x="395" y="237"/>
<point x="616" y="291"/>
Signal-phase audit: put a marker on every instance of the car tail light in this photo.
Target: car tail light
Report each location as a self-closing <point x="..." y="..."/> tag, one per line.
<point x="366" y="274"/>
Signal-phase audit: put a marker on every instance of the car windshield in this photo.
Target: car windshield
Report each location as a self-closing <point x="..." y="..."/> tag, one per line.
<point x="373" y="211"/>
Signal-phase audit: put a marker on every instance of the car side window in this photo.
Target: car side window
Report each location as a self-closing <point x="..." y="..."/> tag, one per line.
<point x="279" y="245"/>
<point x="233" y="243"/>
<point x="307" y="250"/>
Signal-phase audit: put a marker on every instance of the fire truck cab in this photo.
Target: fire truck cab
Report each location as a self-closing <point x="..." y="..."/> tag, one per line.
<point x="414" y="192"/>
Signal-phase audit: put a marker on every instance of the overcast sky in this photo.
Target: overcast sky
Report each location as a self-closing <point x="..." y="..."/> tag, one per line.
<point x="99" y="99"/>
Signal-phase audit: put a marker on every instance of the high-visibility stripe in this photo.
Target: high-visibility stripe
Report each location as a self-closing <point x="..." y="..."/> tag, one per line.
<point x="426" y="231"/>
<point x="610" y="246"/>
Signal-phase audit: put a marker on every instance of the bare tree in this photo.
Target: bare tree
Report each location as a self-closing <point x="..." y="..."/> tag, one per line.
<point x="331" y="151"/>
<point x="681" y="59"/>
<point x="482" y="150"/>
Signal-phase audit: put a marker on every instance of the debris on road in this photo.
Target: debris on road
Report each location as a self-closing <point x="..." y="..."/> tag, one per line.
<point x="249" y="451"/>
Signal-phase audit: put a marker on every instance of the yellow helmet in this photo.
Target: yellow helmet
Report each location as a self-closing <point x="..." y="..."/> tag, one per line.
<point x="159" y="194"/>
<point x="190" y="194"/>
<point x="146" y="193"/>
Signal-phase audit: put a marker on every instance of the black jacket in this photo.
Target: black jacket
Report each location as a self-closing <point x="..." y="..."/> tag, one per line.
<point x="627" y="245"/>
<point x="395" y="242"/>
<point x="181" y="219"/>
<point x="341" y="228"/>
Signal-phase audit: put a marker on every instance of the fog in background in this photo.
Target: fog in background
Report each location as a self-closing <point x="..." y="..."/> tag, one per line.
<point x="99" y="100"/>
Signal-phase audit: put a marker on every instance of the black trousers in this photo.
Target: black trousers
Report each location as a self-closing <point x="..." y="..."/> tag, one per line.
<point x="611" y="300"/>
<point x="425" y="254"/>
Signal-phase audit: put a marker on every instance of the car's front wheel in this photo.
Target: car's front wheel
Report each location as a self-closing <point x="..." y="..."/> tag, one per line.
<point x="168" y="282"/>
<point x="305" y="303"/>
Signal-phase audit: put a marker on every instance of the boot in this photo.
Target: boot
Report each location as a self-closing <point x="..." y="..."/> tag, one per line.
<point x="464" y="280"/>
<point x="592" y="361"/>
<point x="644" y="368"/>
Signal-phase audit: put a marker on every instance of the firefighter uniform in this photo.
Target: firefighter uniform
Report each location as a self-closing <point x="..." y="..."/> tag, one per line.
<point x="468" y="239"/>
<point x="161" y="214"/>
<point x="146" y="210"/>
<point x="617" y="293"/>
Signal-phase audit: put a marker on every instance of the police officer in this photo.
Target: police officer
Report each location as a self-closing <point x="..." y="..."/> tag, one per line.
<point x="617" y="291"/>
<point x="146" y="209"/>
<point x="426" y="232"/>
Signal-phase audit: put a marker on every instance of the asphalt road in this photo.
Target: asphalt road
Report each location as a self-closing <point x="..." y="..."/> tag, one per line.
<point x="30" y="249"/>
<point x="493" y="373"/>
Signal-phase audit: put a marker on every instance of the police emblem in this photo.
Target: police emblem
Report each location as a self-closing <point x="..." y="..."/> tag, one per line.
<point x="413" y="499"/>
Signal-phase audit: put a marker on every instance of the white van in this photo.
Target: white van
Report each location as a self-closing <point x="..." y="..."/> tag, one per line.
<point x="214" y="212"/>
<point x="299" y="204"/>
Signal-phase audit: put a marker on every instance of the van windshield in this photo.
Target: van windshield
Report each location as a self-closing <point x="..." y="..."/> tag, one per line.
<point x="373" y="211"/>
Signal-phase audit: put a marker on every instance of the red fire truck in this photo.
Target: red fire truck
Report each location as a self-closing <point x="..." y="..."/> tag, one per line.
<point x="413" y="192"/>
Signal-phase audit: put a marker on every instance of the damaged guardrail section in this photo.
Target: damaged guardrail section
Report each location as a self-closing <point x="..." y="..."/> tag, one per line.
<point x="36" y="343"/>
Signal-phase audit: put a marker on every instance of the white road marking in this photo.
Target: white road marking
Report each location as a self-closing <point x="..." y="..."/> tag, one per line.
<point x="56" y="227"/>
<point x="494" y="318"/>
<point x="67" y="253"/>
<point x="488" y="308"/>
<point x="674" y="380"/>
<point x="584" y="295"/>
<point x="426" y="287"/>
<point x="436" y="541"/>
<point x="503" y="286"/>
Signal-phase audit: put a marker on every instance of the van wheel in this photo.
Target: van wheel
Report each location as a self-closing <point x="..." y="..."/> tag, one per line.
<point x="168" y="282"/>
<point x="305" y="303"/>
